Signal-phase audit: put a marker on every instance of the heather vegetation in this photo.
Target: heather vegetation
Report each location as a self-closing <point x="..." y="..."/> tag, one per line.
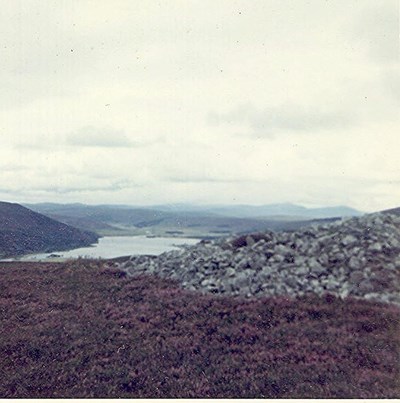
<point x="80" y="329"/>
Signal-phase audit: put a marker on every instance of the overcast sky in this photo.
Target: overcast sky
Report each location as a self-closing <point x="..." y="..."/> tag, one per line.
<point x="208" y="101"/>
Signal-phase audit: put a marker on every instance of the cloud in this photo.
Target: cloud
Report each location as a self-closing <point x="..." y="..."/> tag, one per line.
<point x="202" y="179"/>
<point x="91" y="136"/>
<point x="378" y="29"/>
<point x="68" y="184"/>
<point x="294" y="118"/>
<point x="113" y="187"/>
<point x="16" y="167"/>
<point x="99" y="92"/>
<point x="391" y="82"/>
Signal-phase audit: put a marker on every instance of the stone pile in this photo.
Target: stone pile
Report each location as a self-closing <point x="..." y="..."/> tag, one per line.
<point x="357" y="257"/>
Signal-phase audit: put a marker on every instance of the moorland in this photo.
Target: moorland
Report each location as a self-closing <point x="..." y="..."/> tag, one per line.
<point x="84" y="329"/>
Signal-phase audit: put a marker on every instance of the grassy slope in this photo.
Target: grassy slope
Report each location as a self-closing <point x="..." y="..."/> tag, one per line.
<point x="74" y="330"/>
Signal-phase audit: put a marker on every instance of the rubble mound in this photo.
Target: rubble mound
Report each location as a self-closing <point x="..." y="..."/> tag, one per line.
<point x="358" y="257"/>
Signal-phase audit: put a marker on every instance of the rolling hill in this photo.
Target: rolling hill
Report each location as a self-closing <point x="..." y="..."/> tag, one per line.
<point x="286" y="211"/>
<point x="181" y="220"/>
<point x="24" y="231"/>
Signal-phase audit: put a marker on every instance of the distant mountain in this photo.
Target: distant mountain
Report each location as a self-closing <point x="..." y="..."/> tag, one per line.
<point x="101" y="218"/>
<point x="281" y="210"/>
<point x="115" y="220"/>
<point x="24" y="231"/>
<point x="177" y="220"/>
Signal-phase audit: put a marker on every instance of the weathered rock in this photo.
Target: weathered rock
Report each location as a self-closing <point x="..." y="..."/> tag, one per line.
<point x="354" y="263"/>
<point x="250" y="241"/>
<point x="375" y="247"/>
<point x="365" y="287"/>
<point x="349" y="240"/>
<point x="315" y="267"/>
<point x="356" y="277"/>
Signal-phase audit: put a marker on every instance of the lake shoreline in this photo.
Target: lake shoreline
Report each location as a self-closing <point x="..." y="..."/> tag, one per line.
<point x="110" y="247"/>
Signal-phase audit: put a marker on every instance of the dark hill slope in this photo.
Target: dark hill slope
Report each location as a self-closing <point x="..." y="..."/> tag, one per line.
<point x="23" y="231"/>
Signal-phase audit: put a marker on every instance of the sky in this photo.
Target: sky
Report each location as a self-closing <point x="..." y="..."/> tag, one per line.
<point x="200" y="101"/>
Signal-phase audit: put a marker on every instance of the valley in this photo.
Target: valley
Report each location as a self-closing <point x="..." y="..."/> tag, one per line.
<point x="185" y="220"/>
<point x="275" y="307"/>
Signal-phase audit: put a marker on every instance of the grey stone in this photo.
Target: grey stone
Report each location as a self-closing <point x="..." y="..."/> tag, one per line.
<point x="242" y="281"/>
<point x="354" y="263"/>
<point x="349" y="240"/>
<point x="250" y="241"/>
<point x="365" y="286"/>
<point x="356" y="277"/>
<point x="230" y="272"/>
<point x="315" y="267"/>
<point x="302" y="270"/>
<point x="282" y="249"/>
<point x="375" y="247"/>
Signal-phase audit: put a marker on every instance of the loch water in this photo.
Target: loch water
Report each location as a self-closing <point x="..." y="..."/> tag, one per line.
<point x="115" y="246"/>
